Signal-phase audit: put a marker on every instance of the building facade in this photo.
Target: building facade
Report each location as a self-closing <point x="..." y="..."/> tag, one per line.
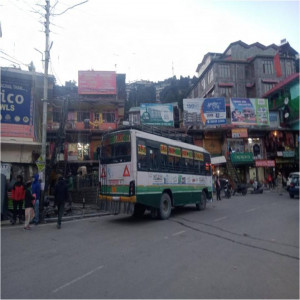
<point x="85" y="114"/>
<point x="245" y="71"/>
<point x="21" y="120"/>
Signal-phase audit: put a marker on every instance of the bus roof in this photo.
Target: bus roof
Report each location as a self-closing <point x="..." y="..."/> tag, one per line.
<point x="160" y="138"/>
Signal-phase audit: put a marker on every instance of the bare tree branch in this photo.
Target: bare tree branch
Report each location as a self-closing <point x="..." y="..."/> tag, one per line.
<point x="70" y="8"/>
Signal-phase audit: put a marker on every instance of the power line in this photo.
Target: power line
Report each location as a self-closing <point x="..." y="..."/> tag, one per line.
<point x="19" y="62"/>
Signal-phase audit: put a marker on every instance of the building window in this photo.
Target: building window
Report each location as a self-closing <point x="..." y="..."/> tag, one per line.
<point x="267" y="87"/>
<point x="268" y="67"/>
<point x="210" y="76"/>
<point x="288" y="67"/>
<point x="82" y="115"/>
<point x="56" y="116"/>
<point x="203" y="83"/>
<point x="224" y="71"/>
<point x="109" y="117"/>
<point x="226" y="91"/>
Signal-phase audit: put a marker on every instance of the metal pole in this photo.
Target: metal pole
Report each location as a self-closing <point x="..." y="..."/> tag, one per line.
<point x="45" y="96"/>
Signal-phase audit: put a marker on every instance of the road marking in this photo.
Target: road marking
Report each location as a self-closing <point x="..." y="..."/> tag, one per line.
<point x="177" y="233"/>
<point x="77" y="279"/>
<point x="252" y="209"/>
<point x="220" y="219"/>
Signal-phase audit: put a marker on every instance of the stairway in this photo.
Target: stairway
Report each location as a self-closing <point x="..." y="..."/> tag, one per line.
<point x="232" y="171"/>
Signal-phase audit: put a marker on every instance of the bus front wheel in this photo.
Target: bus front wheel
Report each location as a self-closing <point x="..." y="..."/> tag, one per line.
<point x="165" y="207"/>
<point x="202" y="204"/>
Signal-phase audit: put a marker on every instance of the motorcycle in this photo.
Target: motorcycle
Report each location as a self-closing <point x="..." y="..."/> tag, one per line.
<point x="241" y="188"/>
<point x="257" y="188"/>
<point x="227" y="189"/>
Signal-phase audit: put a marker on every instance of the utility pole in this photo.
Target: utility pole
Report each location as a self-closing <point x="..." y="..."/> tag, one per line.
<point x="45" y="96"/>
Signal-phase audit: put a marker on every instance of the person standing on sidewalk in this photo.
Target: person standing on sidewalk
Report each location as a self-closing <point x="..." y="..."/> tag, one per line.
<point x="29" y="212"/>
<point x="61" y="195"/>
<point x="70" y="184"/>
<point x="36" y="189"/>
<point x="18" y="195"/>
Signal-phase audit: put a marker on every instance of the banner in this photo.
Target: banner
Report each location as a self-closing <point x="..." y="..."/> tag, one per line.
<point x="205" y="111"/>
<point x="157" y="114"/>
<point x="16" y="108"/>
<point x="265" y="163"/>
<point x="97" y="83"/>
<point x="253" y="111"/>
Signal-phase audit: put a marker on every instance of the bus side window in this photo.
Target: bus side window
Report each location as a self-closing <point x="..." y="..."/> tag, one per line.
<point x="163" y="162"/>
<point x="153" y="158"/>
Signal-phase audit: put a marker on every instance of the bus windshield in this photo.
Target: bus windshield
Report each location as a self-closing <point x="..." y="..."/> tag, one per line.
<point x="116" y="148"/>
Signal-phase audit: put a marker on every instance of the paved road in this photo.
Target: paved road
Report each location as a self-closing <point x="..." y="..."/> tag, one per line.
<point x="243" y="247"/>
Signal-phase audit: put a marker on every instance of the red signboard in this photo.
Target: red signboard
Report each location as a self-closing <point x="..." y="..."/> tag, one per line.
<point x="97" y="83"/>
<point x="265" y="163"/>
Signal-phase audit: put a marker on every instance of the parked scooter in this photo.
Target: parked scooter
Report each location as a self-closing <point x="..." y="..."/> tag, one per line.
<point x="241" y="188"/>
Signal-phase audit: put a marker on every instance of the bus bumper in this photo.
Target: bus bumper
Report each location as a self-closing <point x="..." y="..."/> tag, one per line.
<point x="117" y="204"/>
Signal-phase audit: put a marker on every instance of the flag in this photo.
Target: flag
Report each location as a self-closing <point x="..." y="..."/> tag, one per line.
<point x="277" y="65"/>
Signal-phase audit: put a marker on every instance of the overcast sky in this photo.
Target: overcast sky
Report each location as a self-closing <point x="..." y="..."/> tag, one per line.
<point x="145" y="39"/>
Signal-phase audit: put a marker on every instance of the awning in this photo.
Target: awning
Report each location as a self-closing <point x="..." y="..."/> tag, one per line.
<point x="218" y="160"/>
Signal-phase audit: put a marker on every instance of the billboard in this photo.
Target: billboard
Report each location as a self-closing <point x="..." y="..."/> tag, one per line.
<point x="16" y="109"/>
<point x="249" y="111"/>
<point x="157" y="114"/>
<point x="97" y="83"/>
<point x="205" y="111"/>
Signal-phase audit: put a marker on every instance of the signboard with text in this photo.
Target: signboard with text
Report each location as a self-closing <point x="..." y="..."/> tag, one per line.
<point x="249" y="111"/>
<point x="16" y="109"/>
<point x="157" y="114"/>
<point x="205" y="111"/>
<point x="97" y="83"/>
<point x="239" y="133"/>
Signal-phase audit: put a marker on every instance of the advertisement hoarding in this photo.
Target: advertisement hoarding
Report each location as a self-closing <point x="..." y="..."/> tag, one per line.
<point x="249" y="111"/>
<point x="205" y="111"/>
<point x="97" y="83"/>
<point x="157" y="114"/>
<point x="16" y="109"/>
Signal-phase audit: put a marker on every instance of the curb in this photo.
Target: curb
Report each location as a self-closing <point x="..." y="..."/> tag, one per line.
<point x="64" y="219"/>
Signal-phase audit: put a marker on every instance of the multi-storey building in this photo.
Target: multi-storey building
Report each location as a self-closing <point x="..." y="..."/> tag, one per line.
<point x="85" y="113"/>
<point x="243" y="71"/>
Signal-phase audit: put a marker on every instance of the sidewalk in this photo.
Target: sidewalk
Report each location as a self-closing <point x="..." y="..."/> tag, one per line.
<point x="78" y="212"/>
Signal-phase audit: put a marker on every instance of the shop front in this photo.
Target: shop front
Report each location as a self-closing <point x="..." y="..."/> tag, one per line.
<point x="243" y="162"/>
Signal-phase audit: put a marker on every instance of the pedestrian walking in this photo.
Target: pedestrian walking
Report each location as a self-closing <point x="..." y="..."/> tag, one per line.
<point x="18" y="195"/>
<point x="36" y="190"/>
<point x="29" y="212"/>
<point x="218" y="188"/>
<point x="61" y="195"/>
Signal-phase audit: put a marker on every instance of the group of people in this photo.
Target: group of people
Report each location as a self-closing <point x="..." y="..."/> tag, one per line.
<point x="278" y="181"/>
<point x="29" y="193"/>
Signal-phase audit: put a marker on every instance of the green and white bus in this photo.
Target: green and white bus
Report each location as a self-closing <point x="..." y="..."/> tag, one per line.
<point x="139" y="170"/>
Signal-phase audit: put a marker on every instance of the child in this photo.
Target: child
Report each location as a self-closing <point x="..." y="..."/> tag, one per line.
<point x="29" y="212"/>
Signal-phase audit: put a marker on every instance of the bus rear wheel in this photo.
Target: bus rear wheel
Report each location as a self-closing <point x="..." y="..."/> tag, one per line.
<point x="165" y="207"/>
<point x="202" y="204"/>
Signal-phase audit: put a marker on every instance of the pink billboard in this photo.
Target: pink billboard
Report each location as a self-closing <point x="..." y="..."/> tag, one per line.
<point x="97" y="83"/>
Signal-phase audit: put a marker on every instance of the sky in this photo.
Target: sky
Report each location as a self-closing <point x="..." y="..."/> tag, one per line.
<point x="144" y="39"/>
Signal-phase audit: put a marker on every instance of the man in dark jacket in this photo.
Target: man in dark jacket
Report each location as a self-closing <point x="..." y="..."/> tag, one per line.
<point x="61" y="195"/>
<point x="18" y="195"/>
